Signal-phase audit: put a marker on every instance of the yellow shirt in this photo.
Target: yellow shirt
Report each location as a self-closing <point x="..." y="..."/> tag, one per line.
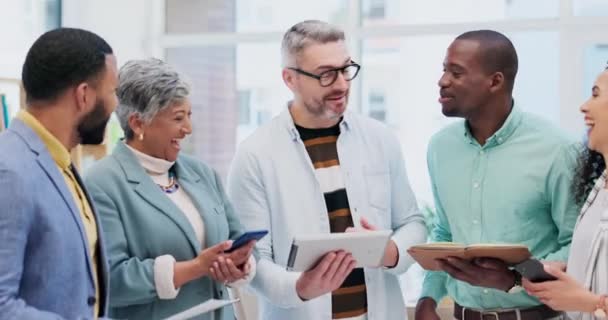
<point x="62" y="158"/>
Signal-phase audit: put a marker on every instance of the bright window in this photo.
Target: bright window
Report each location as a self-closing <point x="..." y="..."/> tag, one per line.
<point x="231" y="51"/>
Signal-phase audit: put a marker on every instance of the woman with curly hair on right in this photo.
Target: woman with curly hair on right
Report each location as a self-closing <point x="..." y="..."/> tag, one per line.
<point x="581" y="286"/>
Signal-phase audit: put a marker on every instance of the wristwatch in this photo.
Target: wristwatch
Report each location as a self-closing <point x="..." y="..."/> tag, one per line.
<point x="516" y="288"/>
<point x="601" y="308"/>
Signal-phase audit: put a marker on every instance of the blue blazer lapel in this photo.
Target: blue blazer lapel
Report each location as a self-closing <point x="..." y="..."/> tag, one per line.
<point x="202" y="197"/>
<point x="149" y="191"/>
<point x="46" y="162"/>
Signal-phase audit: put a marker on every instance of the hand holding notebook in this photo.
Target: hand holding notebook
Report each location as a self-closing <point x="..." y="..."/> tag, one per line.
<point x="427" y="254"/>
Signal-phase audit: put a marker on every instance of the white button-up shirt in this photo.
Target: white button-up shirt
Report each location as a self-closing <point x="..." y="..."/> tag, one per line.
<point x="272" y="185"/>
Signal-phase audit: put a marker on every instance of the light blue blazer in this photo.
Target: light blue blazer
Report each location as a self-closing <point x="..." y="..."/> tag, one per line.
<point x="141" y="223"/>
<point x="45" y="269"/>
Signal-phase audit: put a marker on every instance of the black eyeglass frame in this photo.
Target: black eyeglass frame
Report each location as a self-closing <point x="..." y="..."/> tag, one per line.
<point x="335" y="77"/>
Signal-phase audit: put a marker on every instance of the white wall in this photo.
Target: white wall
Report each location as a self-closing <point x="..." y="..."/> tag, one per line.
<point x="21" y="23"/>
<point x="131" y="27"/>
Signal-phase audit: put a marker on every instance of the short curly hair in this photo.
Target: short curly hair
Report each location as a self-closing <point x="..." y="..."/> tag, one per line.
<point x="62" y="58"/>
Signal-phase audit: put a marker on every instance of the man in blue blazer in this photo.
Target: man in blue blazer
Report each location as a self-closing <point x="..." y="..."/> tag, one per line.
<point x="52" y="262"/>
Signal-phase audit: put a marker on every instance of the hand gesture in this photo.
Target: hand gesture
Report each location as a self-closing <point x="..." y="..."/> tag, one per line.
<point x="207" y="257"/>
<point x="391" y="252"/>
<point x="564" y="294"/>
<point x="482" y="272"/>
<point x="327" y="276"/>
<point x="426" y="308"/>
<point x="233" y="266"/>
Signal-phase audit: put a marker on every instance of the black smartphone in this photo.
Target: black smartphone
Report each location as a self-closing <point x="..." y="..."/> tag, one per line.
<point x="533" y="270"/>
<point x="246" y="237"/>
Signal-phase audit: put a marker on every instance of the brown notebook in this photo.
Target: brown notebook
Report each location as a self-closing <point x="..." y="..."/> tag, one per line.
<point x="426" y="254"/>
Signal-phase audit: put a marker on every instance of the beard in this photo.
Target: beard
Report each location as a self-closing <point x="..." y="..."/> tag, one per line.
<point x="92" y="128"/>
<point x="320" y="108"/>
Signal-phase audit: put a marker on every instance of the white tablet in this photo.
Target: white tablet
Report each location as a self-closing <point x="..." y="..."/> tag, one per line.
<point x="367" y="247"/>
<point x="202" y="308"/>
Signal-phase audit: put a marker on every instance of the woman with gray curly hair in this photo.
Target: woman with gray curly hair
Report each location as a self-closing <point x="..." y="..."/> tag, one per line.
<point x="165" y="216"/>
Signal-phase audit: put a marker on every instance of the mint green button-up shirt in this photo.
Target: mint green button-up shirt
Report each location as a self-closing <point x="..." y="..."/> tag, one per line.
<point x="516" y="188"/>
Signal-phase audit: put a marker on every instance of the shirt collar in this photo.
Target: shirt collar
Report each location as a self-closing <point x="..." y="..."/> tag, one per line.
<point x="293" y="131"/>
<point x="150" y="163"/>
<point x="501" y="135"/>
<point x="58" y="151"/>
<point x="600" y="184"/>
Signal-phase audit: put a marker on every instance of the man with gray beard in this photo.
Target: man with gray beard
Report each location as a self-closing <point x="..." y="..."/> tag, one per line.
<point x="317" y="168"/>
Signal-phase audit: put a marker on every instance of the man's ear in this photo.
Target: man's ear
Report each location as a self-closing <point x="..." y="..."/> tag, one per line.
<point x="85" y="97"/>
<point x="288" y="78"/>
<point x="497" y="82"/>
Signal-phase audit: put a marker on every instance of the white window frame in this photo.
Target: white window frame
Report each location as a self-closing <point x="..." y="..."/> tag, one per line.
<point x="575" y="33"/>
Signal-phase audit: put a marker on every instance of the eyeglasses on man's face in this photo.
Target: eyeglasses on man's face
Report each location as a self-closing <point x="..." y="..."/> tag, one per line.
<point x="328" y="77"/>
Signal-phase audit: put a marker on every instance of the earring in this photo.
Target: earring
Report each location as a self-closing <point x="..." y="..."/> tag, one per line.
<point x="141" y="136"/>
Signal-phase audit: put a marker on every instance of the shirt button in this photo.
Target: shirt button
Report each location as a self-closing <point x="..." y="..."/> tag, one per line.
<point x="481" y="152"/>
<point x="485" y="291"/>
<point x="475" y="185"/>
<point x="91" y="301"/>
<point x="475" y="221"/>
